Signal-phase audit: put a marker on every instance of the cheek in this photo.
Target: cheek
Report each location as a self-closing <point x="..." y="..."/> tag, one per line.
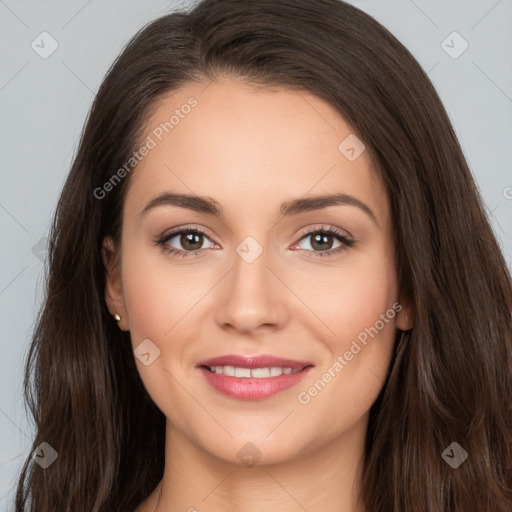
<point x="362" y="311"/>
<point x="148" y="307"/>
<point x="152" y="291"/>
<point x="367" y="328"/>
<point x="351" y="298"/>
<point x="155" y="305"/>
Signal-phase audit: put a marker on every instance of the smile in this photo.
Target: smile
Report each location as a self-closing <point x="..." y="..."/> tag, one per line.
<point x="252" y="377"/>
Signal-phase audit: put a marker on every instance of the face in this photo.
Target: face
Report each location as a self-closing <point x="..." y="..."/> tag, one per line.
<point x="249" y="271"/>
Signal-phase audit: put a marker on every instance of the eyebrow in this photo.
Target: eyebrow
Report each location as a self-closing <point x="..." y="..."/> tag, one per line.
<point x="209" y="206"/>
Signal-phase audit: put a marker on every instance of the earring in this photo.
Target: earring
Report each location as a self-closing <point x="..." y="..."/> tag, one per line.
<point x="117" y="317"/>
<point x="406" y="319"/>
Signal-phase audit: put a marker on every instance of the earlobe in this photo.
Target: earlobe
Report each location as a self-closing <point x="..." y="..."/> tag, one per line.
<point x="405" y="318"/>
<point x="113" y="289"/>
<point x="407" y="323"/>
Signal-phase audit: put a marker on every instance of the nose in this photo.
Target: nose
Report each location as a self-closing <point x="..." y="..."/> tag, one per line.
<point x="252" y="296"/>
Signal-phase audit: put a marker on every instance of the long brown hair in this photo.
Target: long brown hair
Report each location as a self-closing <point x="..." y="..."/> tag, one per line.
<point x="450" y="378"/>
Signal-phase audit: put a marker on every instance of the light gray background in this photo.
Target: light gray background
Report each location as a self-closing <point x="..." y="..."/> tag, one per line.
<point x="44" y="103"/>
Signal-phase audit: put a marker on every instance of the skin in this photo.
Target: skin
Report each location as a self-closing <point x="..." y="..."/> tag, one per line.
<point x="252" y="149"/>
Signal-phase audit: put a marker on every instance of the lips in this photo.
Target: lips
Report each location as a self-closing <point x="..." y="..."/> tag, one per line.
<point x="252" y="377"/>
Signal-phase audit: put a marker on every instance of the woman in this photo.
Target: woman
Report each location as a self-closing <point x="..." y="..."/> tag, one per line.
<point x="271" y="282"/>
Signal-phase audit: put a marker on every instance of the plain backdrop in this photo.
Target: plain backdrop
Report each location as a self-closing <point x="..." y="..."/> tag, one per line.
<point x="44" y="102"/>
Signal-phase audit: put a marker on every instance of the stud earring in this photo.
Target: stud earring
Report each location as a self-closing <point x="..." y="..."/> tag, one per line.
<point x="117" y="317"/>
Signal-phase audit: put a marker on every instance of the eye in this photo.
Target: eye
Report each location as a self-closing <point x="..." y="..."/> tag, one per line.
<point x="191" y="239"/>
<point x="322" y="243"/>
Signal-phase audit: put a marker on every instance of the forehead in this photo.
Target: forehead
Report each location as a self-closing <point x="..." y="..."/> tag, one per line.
<point x="250" y="147"/>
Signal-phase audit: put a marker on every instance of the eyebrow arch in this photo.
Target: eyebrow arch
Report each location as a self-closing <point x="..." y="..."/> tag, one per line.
<point x="207" y="205"/>
<point x="191" y="202"/>
<point x="318" y="202"/>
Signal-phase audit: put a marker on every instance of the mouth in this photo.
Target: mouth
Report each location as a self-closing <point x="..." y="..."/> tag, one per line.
<point x="253" y="377"/>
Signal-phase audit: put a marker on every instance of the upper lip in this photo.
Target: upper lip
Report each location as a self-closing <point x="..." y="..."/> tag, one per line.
<point x="259" y="361"/>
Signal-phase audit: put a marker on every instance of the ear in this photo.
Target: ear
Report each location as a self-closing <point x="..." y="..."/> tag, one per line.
<point x="113" y="286"/>
<point x="406" y="315"/>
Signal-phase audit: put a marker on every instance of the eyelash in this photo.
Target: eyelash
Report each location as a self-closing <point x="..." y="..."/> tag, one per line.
<point x="346" y="242"/>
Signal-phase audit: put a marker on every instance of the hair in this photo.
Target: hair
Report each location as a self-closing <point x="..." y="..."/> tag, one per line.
<point x="450" y="377"/>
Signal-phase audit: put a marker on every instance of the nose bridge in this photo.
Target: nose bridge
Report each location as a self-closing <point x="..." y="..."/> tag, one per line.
<point x="251" y="294"/>
<point x="250" y="265"/>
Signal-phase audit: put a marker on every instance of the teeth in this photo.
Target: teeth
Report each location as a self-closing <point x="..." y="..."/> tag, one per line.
<point x="255" y="373"/>
<point x="240" y="372"/>
<point x="275" y="372"/>
<point x="262" y="373"/>
<point x="226" y="370"/>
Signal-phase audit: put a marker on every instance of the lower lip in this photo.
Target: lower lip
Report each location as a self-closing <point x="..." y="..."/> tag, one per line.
<point x="250" y="388"/>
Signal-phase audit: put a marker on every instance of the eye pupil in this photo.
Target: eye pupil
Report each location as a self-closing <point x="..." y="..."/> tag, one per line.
<point x="320" y="241"/>
<point x="191" y="238"/>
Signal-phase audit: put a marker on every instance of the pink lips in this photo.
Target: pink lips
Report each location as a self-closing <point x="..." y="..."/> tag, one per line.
<point x="249" y="388"/>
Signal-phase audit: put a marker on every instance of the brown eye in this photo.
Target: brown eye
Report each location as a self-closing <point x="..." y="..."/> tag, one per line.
<point x="184" y="242"/>
<point x="323" y="242"/>
<point x="191" y="241"/>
